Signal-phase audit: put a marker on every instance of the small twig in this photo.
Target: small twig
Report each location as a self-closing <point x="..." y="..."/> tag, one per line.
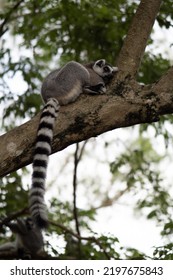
<point x="12" y="216"/>
<point x="82" y="150"/>
<point x="110" y="201"/>
<point x="75" y="210"/>
<point x="7" y="18"/>
<point x="79" y="237"/>
<point x="77" y="158"/>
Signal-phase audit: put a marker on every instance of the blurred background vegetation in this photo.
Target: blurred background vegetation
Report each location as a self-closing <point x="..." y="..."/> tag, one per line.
<point x="129" y="166"/>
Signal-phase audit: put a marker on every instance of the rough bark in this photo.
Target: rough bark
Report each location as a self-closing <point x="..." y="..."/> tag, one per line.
<point x="135" y="42"/>
<point x="126" y="103"/>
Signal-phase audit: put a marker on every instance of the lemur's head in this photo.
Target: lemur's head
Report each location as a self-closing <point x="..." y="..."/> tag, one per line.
<point x="104" y="69"/>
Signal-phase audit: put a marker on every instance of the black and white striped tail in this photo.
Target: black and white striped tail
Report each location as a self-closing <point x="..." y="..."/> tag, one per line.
<point x="40" y="161"/>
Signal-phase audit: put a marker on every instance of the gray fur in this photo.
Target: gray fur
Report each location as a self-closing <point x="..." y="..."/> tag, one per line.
<point x="28" y="241"/>
<point x="61" y="87"/>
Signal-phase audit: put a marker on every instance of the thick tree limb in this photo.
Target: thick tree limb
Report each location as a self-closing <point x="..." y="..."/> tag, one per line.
<point x="165" y="84"/>
<point x="127" y="103"/>
<point x="136" y="40"/>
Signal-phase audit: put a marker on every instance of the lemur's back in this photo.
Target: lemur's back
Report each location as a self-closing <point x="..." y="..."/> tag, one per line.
<point x="65" y="84"/>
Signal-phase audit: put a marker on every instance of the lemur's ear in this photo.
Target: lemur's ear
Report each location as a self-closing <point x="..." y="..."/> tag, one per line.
<point x="115" y="69"/>
<point x="100" y="62"/>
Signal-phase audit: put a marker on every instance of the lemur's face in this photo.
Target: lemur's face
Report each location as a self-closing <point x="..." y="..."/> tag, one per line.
<point x="104" y="69"/>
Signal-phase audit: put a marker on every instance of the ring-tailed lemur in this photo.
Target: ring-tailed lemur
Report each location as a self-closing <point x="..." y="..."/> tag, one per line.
<point x="28" y="242"/>
<point x="61" y="87"/>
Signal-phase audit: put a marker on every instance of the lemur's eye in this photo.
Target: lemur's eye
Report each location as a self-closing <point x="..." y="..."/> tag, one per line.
<point x="106" y="69"/>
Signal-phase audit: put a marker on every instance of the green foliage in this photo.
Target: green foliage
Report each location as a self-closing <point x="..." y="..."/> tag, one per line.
<point x="133" y="254"/>
<point x="152" y="68"/>
<point x="136" y="164"/>
<point x="13" y="196"/>
<point x="73" y="27"/>
<point x="96" y="248"/>
<point x="166" y="15"/>
<point x="92" y="247"/>
<point x="138" y="169"/>
<point x="40" y="35"/>
<point x="164" y="252"/>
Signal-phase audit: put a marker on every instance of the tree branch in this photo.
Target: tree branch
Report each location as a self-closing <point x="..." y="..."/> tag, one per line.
<point x="92" y="239"/>
<point x="110" y="201"/>
<point x="9" y="218"/>
<point x="125" y="105"/>
<point x="165" y="84"/>
<point x="136" y="40"/>
<point x="77" y="157"/>
<point x="75" y="209"/>
<point x="7" y="18"/>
